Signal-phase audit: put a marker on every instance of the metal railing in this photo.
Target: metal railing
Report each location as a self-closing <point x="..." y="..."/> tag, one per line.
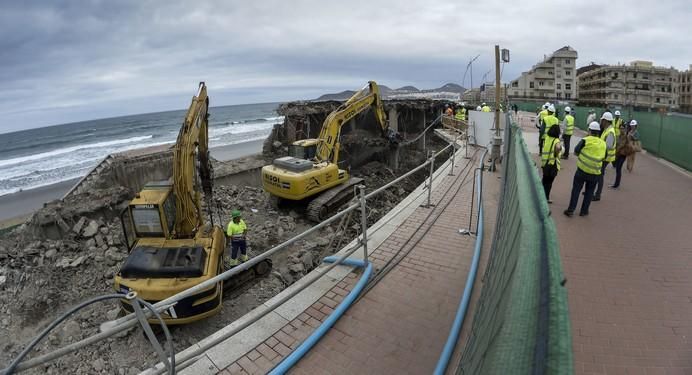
<point x="111" y="328"/>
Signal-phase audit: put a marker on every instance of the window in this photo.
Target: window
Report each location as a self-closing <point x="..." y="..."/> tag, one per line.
<point x="568" y="86"/>
<point x="531" y="84"/>
<point x="645" y="77"/>
<point x="515" y="84"/>
<point x="568" y="95"/>
<point x="635" y="75"/>
<point x="559" y="86"/>
<point x="616" y="96"/>
<point x="567" y="62"/>
<point x="550" y="72"/>
<point x="658" y="100"/>
<point x="568" y="72"/>
<point x="540" y="83"/>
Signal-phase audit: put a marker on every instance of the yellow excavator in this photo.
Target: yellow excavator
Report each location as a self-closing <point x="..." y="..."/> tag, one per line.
<point x="311" y="170"/>
<point x="171" y="248"/>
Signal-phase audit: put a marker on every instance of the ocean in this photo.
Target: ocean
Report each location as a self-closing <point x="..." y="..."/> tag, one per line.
<point x="45" y="156"/>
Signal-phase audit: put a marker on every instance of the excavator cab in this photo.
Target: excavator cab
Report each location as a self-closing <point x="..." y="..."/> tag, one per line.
<point x="151" y="214"/>
<point x="305" y="149"/>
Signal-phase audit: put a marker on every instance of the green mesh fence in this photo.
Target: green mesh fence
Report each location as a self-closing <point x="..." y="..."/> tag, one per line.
<point x="521" y="322"/>
<point x="665" y="135"/>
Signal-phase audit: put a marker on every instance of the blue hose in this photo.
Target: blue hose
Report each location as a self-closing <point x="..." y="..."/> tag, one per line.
<point x="305" y="347"/>
<point x="453" y="337"/>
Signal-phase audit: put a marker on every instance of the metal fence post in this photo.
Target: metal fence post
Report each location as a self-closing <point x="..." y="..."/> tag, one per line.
<point x="454" y="155"/>
<point x="363" y="222"/>
<point x="430" y="181"/>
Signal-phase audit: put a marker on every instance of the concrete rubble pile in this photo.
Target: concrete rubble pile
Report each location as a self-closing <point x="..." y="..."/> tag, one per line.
<point x="70" y="250"/>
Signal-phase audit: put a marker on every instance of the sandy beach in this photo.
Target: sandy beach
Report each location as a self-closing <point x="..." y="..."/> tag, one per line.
<point x="17" y="206"/>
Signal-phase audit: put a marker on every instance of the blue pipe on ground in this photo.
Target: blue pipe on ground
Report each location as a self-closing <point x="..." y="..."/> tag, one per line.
<point x="453" y="337"/>
<point x="305" y="347"/>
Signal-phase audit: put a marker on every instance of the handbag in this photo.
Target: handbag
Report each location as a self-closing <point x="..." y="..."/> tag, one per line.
<point x="636" y="146"/>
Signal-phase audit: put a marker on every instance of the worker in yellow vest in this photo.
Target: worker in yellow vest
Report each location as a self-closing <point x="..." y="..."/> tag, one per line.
<point x="485" y="108"/>
<point x="617" y="124"/>
<point x="590" y="153"/>
<point x="550" y="159"/>
<point x="549" y="121"/>
<point x="608" y="136"/>
<point x="539" y="123"/>
<point x="236" y="231"/>
<point x="461" y="113"/>
<point x="568" y="123"/>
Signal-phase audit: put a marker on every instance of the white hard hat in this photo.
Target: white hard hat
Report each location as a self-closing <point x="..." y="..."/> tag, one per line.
<point x="617" y="113"/>
<point x="478" y="108"/>
<point x="633" y="123"/>
<point x="462" y="103"/>
<point x="568" y="109"/>
<point x="551" y="108"/>
<point x="545" y="106"/>
<point x="594" y="126"/>
<point x="607" y="116"/>
<point x="484" y="103"/>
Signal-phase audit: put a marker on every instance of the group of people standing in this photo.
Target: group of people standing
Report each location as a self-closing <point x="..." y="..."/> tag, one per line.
<point x="459" y="112"/>
<point x="608" y="141"/>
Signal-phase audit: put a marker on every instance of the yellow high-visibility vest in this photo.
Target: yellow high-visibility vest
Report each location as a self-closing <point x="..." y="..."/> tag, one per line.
<point x="569" y="124"/>
<point x="590" y="159"/>
<point x="549" y="121"/>
<point x="236" y="230"/>
<point x="548" y="153"/>
<point x="610" y="152"/>
<point x="485" y="108"/>
<point x="616" y="125"/>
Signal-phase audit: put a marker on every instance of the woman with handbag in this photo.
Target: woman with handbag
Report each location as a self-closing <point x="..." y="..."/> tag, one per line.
<point x="633" y="138"/>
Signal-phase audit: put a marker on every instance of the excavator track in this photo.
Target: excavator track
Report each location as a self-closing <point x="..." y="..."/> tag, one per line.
<point x="238" y="281"/>
<point x="327" y="203"/>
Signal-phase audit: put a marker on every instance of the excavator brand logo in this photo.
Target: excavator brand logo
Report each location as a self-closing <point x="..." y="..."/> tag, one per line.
<point x="350" y="113"/>
<point x="276" y="182"/>
<point x="313" y="184"/>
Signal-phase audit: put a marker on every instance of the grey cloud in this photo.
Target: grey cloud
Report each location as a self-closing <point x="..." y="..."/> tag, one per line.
<point x="75" y="60"/>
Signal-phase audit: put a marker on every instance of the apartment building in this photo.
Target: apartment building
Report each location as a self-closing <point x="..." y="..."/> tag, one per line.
<point x="685" y="90"/>
<point x="554" y="78"/>
<point x="640" y="85"/>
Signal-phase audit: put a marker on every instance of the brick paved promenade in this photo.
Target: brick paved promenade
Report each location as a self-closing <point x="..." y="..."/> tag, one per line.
<point x="629" y="270"/>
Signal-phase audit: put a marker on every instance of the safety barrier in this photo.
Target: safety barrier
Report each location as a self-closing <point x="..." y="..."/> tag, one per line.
<point x="450" y="122"/>
<point x="521" y="321"/>
<point x="664" y="134"/>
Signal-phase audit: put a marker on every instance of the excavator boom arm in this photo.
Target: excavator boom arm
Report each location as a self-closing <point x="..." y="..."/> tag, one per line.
<point x="328" y="149"/>
<point x="193" y="140"/>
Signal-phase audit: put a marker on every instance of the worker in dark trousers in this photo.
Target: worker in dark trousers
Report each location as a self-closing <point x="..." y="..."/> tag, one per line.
<point x="236" y="231"/>
<point x="568" y="123"/>
<point x="590" y="153"/>
<point x="550" y="159"/>
<point x="608" y="136"/>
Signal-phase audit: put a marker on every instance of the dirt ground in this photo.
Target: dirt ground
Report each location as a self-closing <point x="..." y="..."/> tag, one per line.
<point x="42" y="277"/>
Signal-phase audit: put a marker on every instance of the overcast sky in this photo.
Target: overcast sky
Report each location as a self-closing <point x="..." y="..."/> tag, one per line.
<point x="78" y="60"/>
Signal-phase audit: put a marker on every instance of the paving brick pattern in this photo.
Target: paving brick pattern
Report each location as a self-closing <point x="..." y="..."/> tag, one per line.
<point x="273" y="350"/>
<point x="400" y="326"/>
<point x="628" y="268"/>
